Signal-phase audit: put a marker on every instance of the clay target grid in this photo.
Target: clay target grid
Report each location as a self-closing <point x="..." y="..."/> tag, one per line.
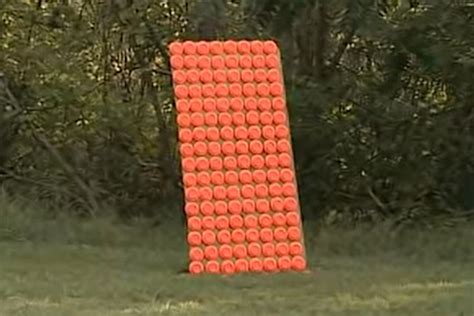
<point x="241" y="198"/>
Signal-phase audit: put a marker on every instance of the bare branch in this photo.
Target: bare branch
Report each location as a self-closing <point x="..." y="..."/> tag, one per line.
<point x="88" y="193"/>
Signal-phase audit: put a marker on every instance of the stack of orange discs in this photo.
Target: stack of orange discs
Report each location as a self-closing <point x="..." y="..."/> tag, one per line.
<point x="241" y="195"/>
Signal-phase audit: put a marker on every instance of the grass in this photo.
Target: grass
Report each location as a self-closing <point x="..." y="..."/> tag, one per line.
<point x="100" y="267"/>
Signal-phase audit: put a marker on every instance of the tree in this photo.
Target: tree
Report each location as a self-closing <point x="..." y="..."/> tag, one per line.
<point x="381" y="90"/>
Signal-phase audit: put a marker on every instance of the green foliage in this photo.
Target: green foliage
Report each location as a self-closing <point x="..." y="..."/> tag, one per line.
<point x="379" y="92"/>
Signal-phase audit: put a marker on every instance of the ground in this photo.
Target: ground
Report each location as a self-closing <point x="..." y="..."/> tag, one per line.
<point x="102" y="268"/>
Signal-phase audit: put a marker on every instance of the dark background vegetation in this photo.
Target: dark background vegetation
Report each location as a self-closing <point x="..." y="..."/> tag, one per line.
<point x="380" y="95"/>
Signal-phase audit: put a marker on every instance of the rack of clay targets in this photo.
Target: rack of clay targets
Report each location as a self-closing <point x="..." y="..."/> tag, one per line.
<point x="241" y="198"/>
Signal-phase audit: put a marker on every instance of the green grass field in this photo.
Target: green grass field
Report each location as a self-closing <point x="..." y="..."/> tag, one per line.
<point x="98" y="268"/>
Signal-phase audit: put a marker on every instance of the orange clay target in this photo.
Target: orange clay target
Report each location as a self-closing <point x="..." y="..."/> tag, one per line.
<point x="241" y="198"/>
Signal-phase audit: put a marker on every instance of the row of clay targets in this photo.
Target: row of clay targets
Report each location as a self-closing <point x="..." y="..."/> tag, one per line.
<point x="241" y="198"/>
